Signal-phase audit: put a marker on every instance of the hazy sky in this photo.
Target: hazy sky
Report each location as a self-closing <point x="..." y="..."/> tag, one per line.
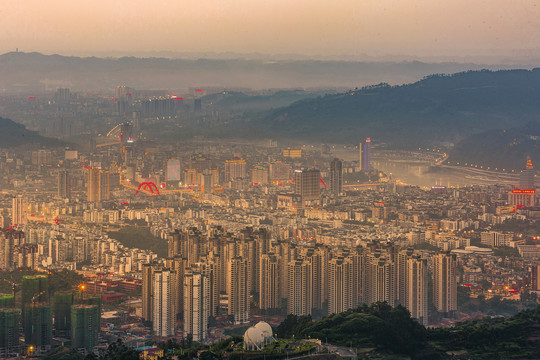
<point x="311" y="27"/>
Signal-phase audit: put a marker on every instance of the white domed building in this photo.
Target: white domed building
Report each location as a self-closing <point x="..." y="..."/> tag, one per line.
<point x="256" y="337"/>
<point x="267" y="332"/>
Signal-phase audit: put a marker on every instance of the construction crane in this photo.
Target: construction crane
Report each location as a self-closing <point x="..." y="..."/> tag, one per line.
<point x="13" y="286"/>
<point x="35" y="297"/>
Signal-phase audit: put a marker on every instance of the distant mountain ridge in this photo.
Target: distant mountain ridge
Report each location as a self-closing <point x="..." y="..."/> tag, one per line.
<point x="26" y="71"/>
<point x="437" y="109"/>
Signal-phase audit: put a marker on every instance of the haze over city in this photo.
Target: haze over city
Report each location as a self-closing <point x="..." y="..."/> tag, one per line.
<point x="253" y="180"/>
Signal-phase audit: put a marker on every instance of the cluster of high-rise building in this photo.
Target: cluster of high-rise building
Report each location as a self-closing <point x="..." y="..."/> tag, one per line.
<point x="69" y="315"/>
<point x="97" y="185"/>
<point x="332" y="232"/>
<point x="218" y="272"/>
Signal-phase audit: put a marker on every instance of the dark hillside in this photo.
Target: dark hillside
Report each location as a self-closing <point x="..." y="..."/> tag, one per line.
<point x="439" y="108"/>
<point x="13" y="135"/>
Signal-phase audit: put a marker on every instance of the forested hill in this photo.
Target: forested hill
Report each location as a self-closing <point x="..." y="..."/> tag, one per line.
<point x="14" y="135"/>
<point x="439" y="108"/>
<point x="380" y="331"/>
<point x="507" y="148"/>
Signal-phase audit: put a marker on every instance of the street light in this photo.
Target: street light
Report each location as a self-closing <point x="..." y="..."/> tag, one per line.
<point x="82" y="287"/>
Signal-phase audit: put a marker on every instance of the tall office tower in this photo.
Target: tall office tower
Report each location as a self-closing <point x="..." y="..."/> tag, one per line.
<point x="526" y="178"/>
<point x="178" y="268"/>
<point x="63" y="300"/>
<point x="215" y="176"/>
<point x="148" y="291"/>
<point x="259" y="175"/>
<point x="207" y="183"/>
<point x="366" y="163"/>
<point x="218" y="241"/>
<point x="194" y="246"/>
<point x="307" y="185"/>
<point x="7" y="246"/>
<point x="401" y="275"/>
<point x="340" y="285"/>
<point x="163" y="314"/>
<point x="336" y="177"/>
<point x="59" y="249"/>
<point x="318" y="259"/>
<point x="9" y="332"/>
<point x="104" y="186"/>
<point x="229" y="251"/>
<point x="300" y="300"/>
<point x="85" y="326"/>
<point x="64" y="184"/>
<point x="235" y="169"/>
<point x="210" y="269"/>
<point x="534" y="270"/>
<point x="286" y="252"/>
<point x="128" y="150"/>
<point x="269" y="296"/>
<point x="239" y="289"/>
<point x="92" y="185"/>
<point x="262" y="238"/>
<point x="173" y="243"/>
<point x="37" y="325"/>
<point x="247" y="249"/>
<point x="173" y="172"/>
<point x="380" y="279"/>
<point x="18" y="211"/>
<point x="196" y="304"/>
<point x="417" y="289"/>
<point x="209" y="266"/>
<point x="358" y="278"/>
<point x="191" y="177"/>
<point x="80" y="248"/>
<point x="445" y="283"/>
<point x="97" y="185"/>
<point x="360" y="157"/>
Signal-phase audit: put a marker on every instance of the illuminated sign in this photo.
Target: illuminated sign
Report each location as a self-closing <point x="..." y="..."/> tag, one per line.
<point x="517" y="191"/>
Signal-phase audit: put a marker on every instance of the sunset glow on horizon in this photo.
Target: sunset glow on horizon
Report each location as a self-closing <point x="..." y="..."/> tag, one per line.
<point x="415" y="27"/>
